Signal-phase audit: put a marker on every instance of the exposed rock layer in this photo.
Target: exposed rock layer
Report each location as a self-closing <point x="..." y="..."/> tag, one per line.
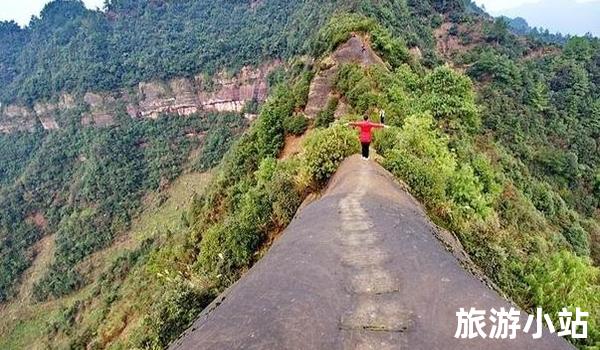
<point x="359" y="268"/>
<point x="356" y="50"/>
<point x="181" y="96"/>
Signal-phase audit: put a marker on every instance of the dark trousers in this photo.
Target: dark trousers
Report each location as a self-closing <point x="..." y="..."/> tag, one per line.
<point x="365" y="149"/>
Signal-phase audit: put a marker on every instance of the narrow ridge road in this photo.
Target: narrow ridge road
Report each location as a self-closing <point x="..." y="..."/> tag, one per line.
<point x="360" y="268"/>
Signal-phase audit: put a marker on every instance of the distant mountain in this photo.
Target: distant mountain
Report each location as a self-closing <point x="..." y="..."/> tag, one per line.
<point x="519" y="25"/>
<point x="564" y="16"/>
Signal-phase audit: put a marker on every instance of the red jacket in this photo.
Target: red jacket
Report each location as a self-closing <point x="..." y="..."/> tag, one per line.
<point x="365" y="130"/>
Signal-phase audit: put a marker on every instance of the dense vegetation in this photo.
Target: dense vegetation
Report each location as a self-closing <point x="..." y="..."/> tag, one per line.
<point x="438" y="149"/>
<point x="69" y="48"/>
<point x="253" y="195"/>
<point x="505" y="155"/>
<point x="515" y="176"/>
<point x="545" y="112"/>
<point x="469" y="177"/>
<point x="85" y="185"/>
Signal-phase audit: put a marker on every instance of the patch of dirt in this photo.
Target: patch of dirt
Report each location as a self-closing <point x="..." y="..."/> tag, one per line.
<point x="445" y="43"/>
<point x="540" y="52"/>
<point x="198" y="135"/>
<point x="342" y="109"/>
<point x="450" y="45"/>
<point x="109" y="336"/>
<point x="291" y="146"/>
<point x="38" y="220"/>
<point x="98" y="120"/>
<point x="133" y="321"/>
<point x="356" y="50"/>
<point x="416" y="52"/>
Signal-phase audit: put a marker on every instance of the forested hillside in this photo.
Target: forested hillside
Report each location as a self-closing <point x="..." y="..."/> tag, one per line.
<point x="497" y="134"/>
<point x="84" y="186"/>
<point x="71" y="49"/>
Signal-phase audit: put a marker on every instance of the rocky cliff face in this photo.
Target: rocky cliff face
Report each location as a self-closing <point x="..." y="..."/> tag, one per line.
<point x="181" y="96"/>
<point x="355" y="50"/>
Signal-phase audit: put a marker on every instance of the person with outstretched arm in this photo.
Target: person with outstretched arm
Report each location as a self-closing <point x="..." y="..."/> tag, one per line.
<point x="365" y="127"/>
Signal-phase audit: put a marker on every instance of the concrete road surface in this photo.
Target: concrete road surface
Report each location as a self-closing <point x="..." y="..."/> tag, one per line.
<point x="359" y="268"/>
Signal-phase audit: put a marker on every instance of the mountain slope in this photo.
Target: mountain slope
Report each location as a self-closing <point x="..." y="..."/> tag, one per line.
<point x="84" y="185"/>
<point x="72" y="49"/>
<point x="119" y="290"/>
<point x="497" y="136"/>
<point x="359" y="267"/>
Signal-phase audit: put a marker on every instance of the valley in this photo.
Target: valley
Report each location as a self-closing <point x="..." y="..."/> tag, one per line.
<point x="154" y="155"/>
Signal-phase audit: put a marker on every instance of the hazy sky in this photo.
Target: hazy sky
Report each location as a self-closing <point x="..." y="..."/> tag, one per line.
<point x="498" y="5"/>
<point x="566" y="16"/>
<point x="22" y="10"/>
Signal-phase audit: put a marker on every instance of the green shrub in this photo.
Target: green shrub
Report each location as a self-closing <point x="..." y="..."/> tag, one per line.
<point x="559" y="163"/>
<point x="338" y="30"/>
<point x="385" y="140"/>
<point x="59" y="280"/>
<point x="578" y="239"/>
<point x="216" y="144"/>
<point x="177" y="308"/>
<point x="454" y="30"/>
<point x="301" y="89"/>
<point x="269" y="127"/>
<point x="229" y="246"/>
<point x="92" y="230"/>
<point x="63" y="321"/>
<point x="500" y="68"/>
<point x="270" y="201"/>
<point x="325" y="149"/>
<point x="450" y="98"/>
<point x="251" y="107"/>
<point x="285" y="194"/>
<point x="565" y="280"/>
<point x="420" y="157"/>
<point x="392" y="49"/>
<point x="419" y="154"/>
<point x="327" y="116"/>
<point x="15" y="152"/>
<point x="593" y="227"/>
<point x="468" y="194"/>
<point x="277" y="76"/>
<point x="542" y="197"/>
<point x="359" y="87"/>
<point x="596" y="183"/>
<point x="485" y="171"/>
<point x="348" y="76"/>
<point x="295" y="124"/>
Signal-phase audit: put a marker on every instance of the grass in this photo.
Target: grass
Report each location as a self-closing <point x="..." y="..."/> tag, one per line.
<point x="24" y="325"/>
<point x="44" y="255"/>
